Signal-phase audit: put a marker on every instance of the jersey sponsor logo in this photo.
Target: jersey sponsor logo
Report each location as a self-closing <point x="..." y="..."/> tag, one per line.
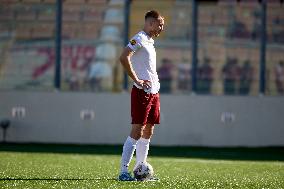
<point x="133" y="42"/>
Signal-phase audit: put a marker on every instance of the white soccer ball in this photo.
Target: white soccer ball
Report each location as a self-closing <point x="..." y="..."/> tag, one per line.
<point x="143" y="171"/>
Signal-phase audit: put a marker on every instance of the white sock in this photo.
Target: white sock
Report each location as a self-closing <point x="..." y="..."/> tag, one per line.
<point x="142" y="149"/>
<point x="127" y="153"/>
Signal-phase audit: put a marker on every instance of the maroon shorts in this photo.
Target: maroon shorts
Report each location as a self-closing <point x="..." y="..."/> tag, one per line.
<point x="145" y="108"/>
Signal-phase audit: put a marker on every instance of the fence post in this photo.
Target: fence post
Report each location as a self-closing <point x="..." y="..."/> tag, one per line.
<point x="57" y="74"/>
<point x="194" y="44"/>
<point x="126" y="36"/>
<point x="262" y="49"/>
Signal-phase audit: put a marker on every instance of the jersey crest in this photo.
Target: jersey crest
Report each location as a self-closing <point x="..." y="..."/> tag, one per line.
<point x="133" y="42"/>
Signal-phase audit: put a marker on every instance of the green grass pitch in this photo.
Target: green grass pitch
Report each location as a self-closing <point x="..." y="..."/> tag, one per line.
<point x="74" y="166"/>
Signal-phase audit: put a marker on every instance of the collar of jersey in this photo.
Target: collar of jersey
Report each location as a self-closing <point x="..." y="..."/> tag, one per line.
<point x="148" y="37"/>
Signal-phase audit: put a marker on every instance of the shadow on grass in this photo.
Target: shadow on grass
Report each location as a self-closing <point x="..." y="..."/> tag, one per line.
<point x="235" y="153"/>
<point x="54" y="179"/>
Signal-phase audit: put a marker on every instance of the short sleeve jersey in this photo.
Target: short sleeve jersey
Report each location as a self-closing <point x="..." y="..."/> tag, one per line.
<point x="144" y="60"/>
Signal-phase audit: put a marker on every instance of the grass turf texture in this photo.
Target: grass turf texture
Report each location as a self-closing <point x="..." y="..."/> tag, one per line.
<point x="74" y="166"/>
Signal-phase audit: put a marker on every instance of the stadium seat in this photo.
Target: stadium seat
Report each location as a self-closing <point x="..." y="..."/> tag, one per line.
<point x="93" y="14"/>
<point x="116" y="3"/>
<point x="6" y="15"/>
<point x="74" y="2"/>
<point x="114" y="15"/>
<point x="27" y="15"/>
<point x="47" y="15"/>
<point x="49" y="1"/>
<point x="98" y="2"/>
<point x="43" y="30"/>
<point x="90" y="31"/>
<point x="71" y="13"/>
<point x="31" y="1"/>
<point x="69" y="30"/>
<point x="90" y="34"/>
<point x="23" y="32"/>
<point x="110" y="33"/>
<point x="106" y="47"/>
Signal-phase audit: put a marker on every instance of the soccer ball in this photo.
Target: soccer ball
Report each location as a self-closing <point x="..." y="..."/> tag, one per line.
<point x="143" y="171"/>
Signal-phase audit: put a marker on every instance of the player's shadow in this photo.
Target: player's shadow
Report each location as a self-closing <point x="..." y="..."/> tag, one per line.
<point x="237" y="153"/>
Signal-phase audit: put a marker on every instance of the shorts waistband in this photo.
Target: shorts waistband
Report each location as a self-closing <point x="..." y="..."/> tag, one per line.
<point x="144" y="91"/>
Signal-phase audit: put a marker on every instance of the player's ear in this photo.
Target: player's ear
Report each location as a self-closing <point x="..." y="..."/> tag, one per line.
<point x="150" y="22"/>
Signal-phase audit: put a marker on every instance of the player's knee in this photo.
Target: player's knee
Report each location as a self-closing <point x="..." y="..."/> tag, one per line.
<point x="137" y="132"/>
<point x="136" y="135"/>
<point x="148" y="132"/>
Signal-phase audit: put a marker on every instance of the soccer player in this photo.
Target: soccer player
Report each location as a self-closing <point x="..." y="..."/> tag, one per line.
<point x="139" y="60"/>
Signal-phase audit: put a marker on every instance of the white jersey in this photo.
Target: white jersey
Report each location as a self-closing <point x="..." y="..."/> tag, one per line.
<point x="144" y="60"/>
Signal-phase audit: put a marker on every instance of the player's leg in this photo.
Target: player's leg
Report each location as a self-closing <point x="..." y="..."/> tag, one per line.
<point x="153" y="118"/>
<point x="128" y="151"/>
<point x="142" y="146"/>
<point x="139" y="114"/>
<point x="137" y="131"/>
<point x="130" y="145"/>
<point x="148" y="131"/>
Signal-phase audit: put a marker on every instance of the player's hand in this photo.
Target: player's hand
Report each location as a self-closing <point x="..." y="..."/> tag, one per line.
<point x="145" y="84"/>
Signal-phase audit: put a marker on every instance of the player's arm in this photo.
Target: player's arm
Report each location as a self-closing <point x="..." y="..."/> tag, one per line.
<point x="127" y="65"/>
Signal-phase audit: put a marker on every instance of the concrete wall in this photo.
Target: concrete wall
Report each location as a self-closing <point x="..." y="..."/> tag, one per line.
<point x="56" y="117"/>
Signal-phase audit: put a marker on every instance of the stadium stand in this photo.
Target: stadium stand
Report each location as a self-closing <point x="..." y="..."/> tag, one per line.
<point x="225" y="29"/>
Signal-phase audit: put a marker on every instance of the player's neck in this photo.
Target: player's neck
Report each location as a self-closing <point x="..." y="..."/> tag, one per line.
<point x="148" y="33"/>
